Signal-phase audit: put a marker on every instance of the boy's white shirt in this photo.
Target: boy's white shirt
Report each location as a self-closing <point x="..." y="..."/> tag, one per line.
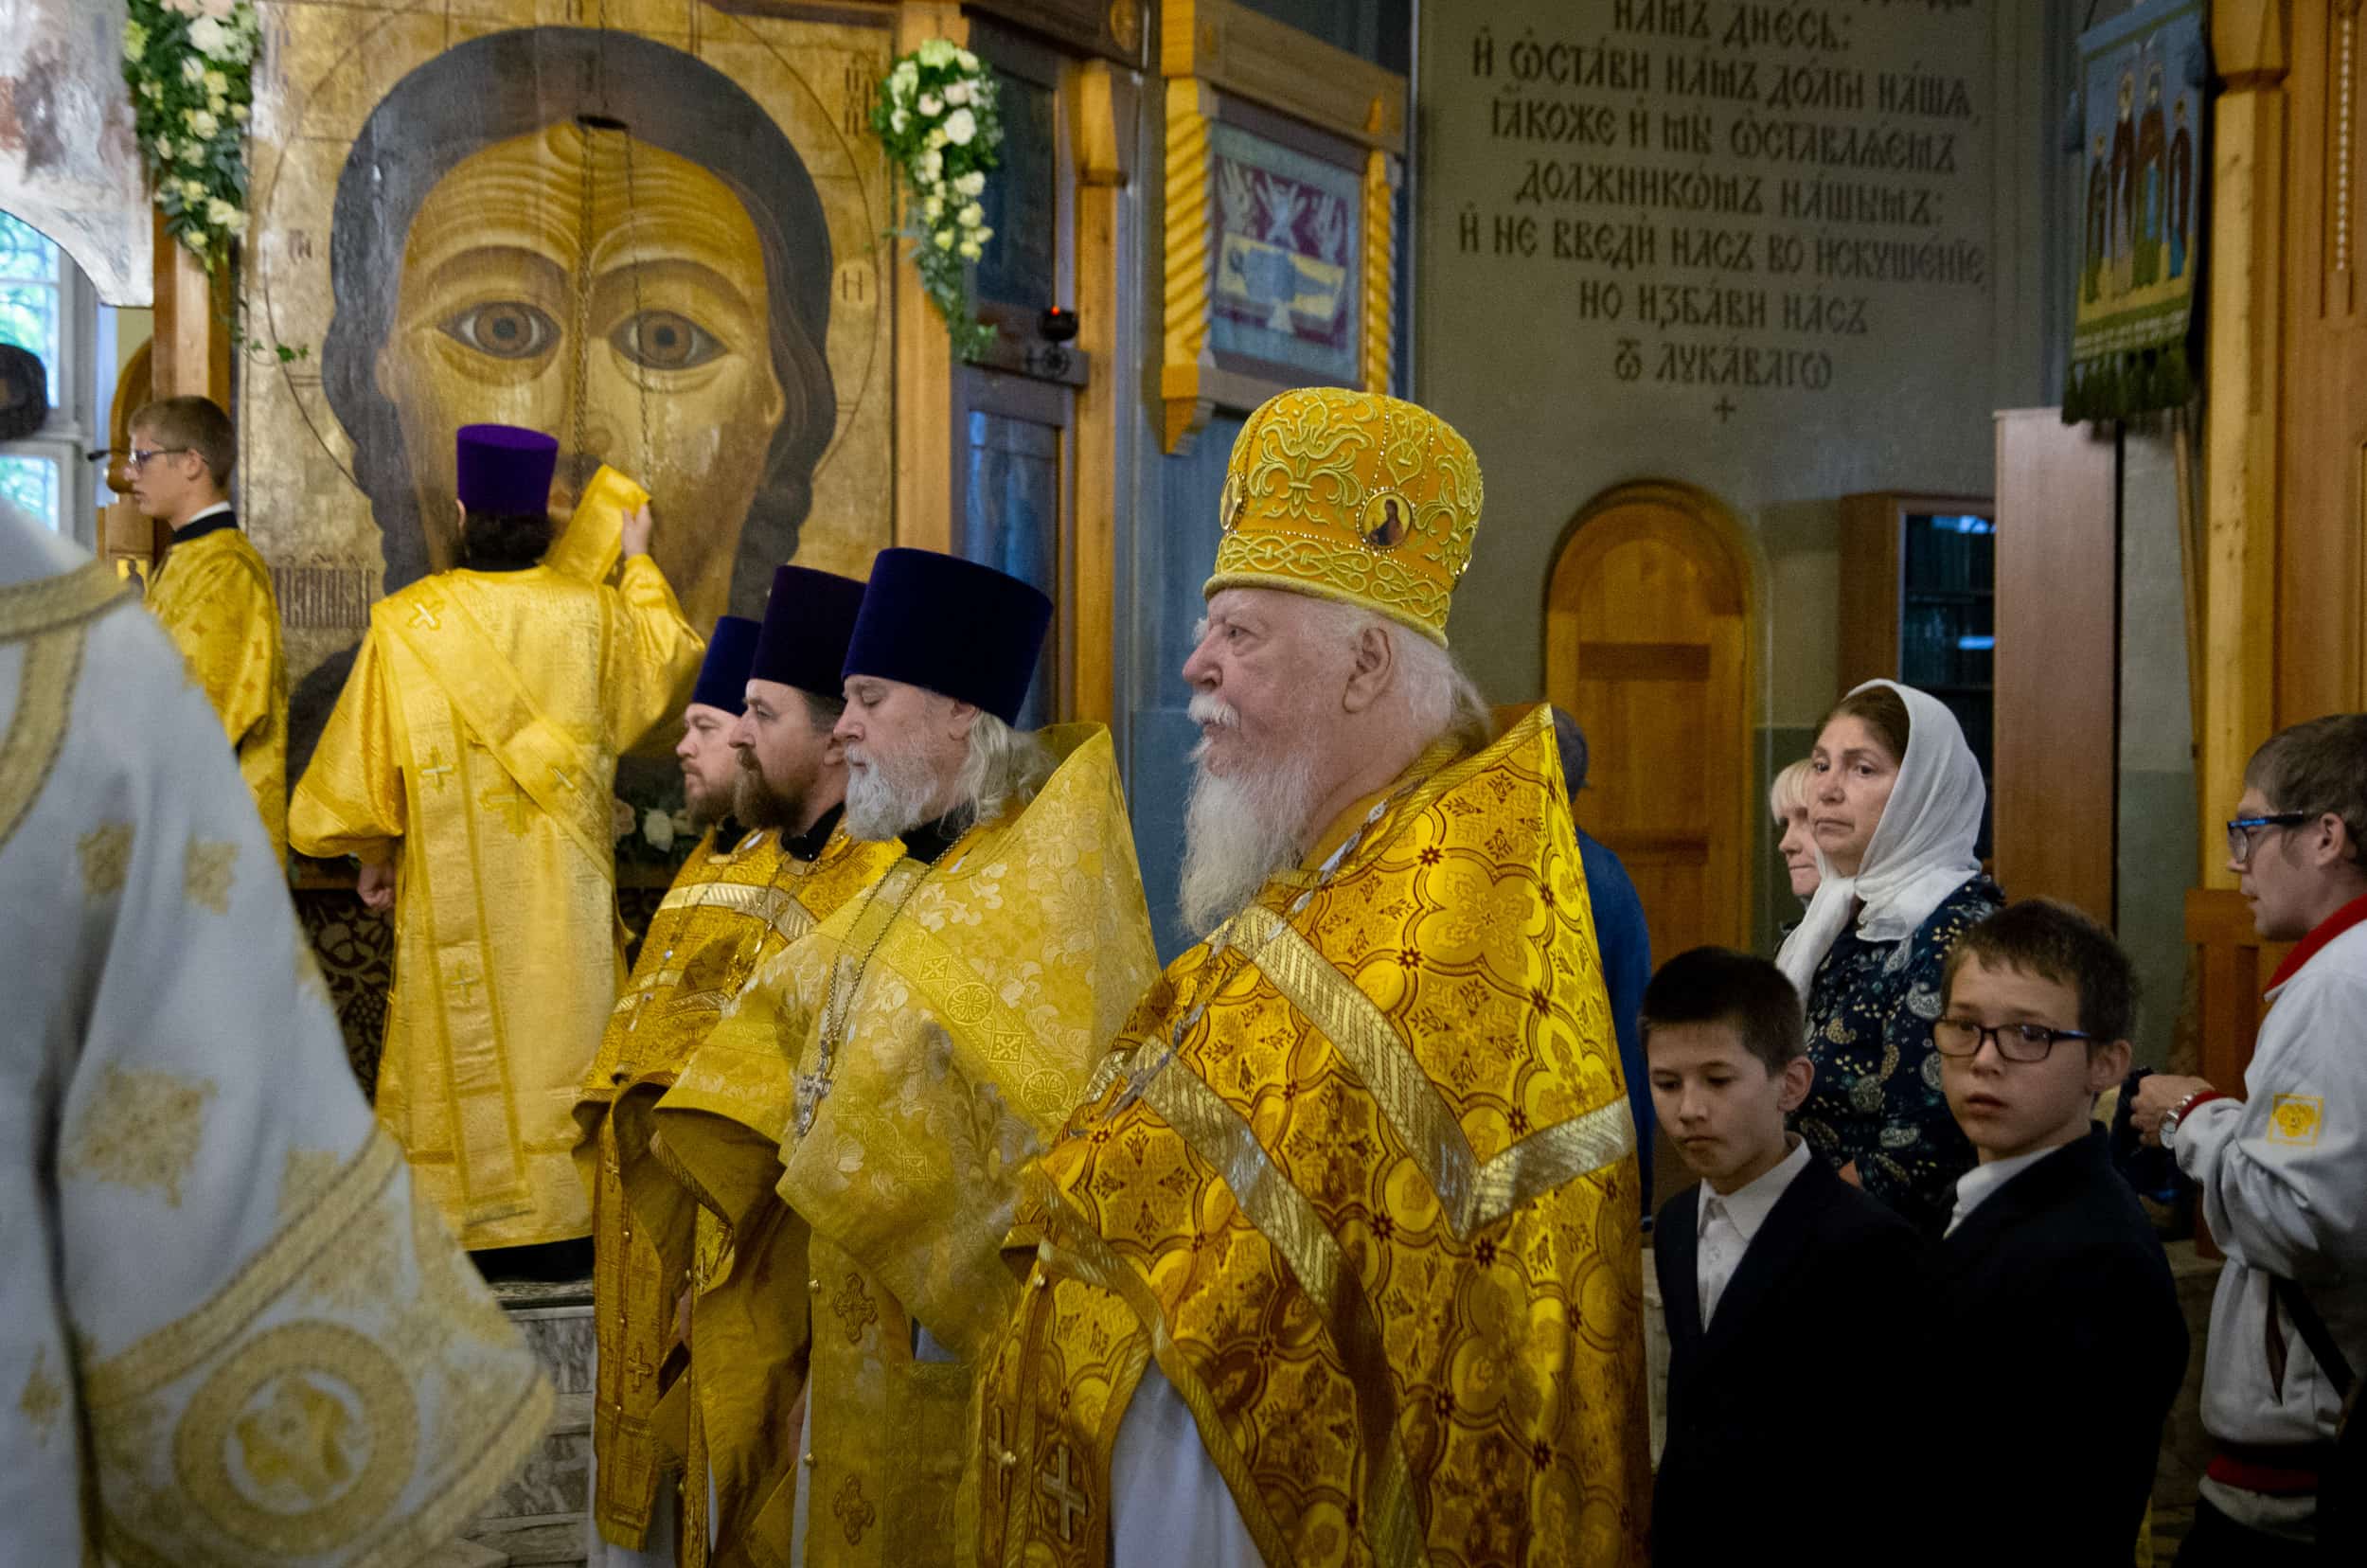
<point x="1719" y="1251"/>
<point x="2283" y="1179"/>
<point x="1975" y="1186"/>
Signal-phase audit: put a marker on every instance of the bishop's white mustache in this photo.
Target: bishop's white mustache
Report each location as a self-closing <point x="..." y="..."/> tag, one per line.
<point x="1209" y="708"/>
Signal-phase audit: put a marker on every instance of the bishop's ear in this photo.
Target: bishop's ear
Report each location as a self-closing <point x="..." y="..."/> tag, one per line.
<point x="1374" y="665"/>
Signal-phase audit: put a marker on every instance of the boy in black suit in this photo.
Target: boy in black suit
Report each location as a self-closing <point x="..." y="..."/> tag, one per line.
<point x="1796" y="1304"/>
<point x="2061" y="1328"/>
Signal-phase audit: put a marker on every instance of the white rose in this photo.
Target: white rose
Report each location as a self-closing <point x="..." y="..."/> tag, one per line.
<point x="209" y="37"/>
<point x="929" y="106"/>
<point x="957" y="92"/>
<point x="192" y="191"/>
<point x="238" y="114"/>
<point x="164" y="148"/>
<point x="203" y="124"/>
<point x="897" y="119"/>
<point x="945" y="239"/>
<point x="905" y="72"/>
<point x="973" y="215"/>
<point x="937" y="138"/>
<point x="983" y="235"/>
<point x="970" y="250"/>
<point x="220" y="213"/>
<point x="967" y="60"/>
<point x="659" y="829"/>
<point x="684" y="823"/>
<point x="936" y="51"/>
<point x="217" y="84"/>
<point x="192" y="70"/>
<point x="184" y="7"/>
<point x="932" y="209"/>
<point x="971" y="183"/>
<point x="960" y="126"/>
<point x="931" y="165"/>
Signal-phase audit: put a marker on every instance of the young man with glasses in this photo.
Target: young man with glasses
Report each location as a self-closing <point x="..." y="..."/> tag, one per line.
<point x="2050" y="1275"/>
<point x="2284" y="1169"/>
<point x="213" y="593"/>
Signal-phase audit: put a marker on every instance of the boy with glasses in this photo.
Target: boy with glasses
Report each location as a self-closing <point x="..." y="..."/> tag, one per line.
<point x="2284" y="1169"/>
<point x="2050" y="1274"/>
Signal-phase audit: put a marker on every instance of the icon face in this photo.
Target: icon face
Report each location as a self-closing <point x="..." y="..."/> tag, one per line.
<point x="1386" y="522"/>
<point x="1229" y="503"/>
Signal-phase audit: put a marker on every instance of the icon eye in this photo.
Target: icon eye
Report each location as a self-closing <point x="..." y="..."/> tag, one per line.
<point x="504" y="328"/>
<point x="665" y="340"/>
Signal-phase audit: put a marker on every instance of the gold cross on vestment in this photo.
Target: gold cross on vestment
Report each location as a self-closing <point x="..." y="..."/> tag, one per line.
<point x="511" y="802"/>
<point x="464" y="983"/>
<point x="565" y="782"/>
<point x="637" y="1370"/>
<point x="438" y="766"/>
<point x="423" y="616"/>
<point x="1064" y="1494"/>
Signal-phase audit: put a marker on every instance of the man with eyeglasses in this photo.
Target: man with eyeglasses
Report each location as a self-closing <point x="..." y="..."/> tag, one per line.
<point x="2284" y="1169"/>
<point x="213" y="593"/>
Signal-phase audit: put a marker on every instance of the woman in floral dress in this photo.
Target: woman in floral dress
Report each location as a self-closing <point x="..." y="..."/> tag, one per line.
<point x="1894" y="800"/>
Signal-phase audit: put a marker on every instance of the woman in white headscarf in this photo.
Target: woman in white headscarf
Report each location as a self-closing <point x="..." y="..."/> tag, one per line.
<point x="1894" y="800"/>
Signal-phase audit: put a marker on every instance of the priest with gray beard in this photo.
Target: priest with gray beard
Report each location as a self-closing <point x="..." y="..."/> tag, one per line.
<point x="883" y="1083"/>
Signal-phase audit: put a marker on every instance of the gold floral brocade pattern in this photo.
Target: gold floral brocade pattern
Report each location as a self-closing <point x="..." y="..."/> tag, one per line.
<point x="1350" y="496"/>
<point x="320" y="1406"/>
<point x="1376" y="1220"/>
<point x="142" y="1130"/>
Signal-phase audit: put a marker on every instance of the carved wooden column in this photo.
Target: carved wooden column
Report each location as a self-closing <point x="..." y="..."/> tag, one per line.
<point x="2251" y="42"/>
<point x="1104" y="119"/>
<point x="924" y="354"/>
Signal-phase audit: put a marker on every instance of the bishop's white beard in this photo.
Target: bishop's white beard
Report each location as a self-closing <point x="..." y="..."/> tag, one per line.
<point x="1239" y="828"/>
<point x="887" y="793"/>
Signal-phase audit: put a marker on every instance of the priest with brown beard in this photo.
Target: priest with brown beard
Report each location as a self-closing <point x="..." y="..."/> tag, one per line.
<point x="762" y="776"/>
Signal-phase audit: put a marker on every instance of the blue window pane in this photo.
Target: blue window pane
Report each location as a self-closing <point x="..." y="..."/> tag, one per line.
<point x="28" y="308"/>
<point x="30" y="484"/>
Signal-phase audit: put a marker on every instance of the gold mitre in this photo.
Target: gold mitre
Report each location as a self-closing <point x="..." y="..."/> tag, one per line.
<point x="1350" y="496"/>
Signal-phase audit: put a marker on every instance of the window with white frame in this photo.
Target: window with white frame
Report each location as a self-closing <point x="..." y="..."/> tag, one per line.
<point x="49" y="307"/>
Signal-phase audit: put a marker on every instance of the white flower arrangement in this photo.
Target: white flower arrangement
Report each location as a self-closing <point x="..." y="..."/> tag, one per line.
<point x="936" y="115"/>
<point x="191" y="66"/>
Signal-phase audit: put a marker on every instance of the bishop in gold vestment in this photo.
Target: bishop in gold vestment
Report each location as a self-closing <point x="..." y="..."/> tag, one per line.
<point x="763" y="875"/>
<point x="213" y="593"/>
<point x="476" y="738"/>
<point x="1336" y="1262"/>
<point x="873" y="1098"/>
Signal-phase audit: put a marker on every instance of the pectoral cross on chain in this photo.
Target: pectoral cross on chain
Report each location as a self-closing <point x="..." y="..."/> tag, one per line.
<point x="1003" y="1460"/>
<point x="1064" y="1494"/>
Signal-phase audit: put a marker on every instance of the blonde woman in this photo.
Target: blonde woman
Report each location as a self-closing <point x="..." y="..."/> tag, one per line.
<point x="1788" y="798"/>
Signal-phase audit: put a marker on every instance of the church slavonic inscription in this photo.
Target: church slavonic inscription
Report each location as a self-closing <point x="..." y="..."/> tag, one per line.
<point x="1728" y="201"/>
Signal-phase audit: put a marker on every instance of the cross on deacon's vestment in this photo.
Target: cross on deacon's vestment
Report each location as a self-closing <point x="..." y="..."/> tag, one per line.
<point x="511" y="802"/>
<point x="436" y="766"/>
<point x="464" y="983"/>
<point x="1064" y="1494"/>
<point x="424" y="616"/>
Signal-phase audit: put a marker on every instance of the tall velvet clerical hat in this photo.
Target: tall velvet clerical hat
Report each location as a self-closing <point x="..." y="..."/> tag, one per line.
<point x="723" y="673"/>
<point x="505" y="471"/>
<point x="807" y="624"/>
<point x="965" y="631"/>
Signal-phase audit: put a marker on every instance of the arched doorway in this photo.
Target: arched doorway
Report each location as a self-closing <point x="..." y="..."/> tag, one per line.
<point x="1648" y="643"/>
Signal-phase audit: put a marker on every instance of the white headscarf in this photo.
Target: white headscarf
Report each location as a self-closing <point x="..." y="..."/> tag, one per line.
<point x="1921" y="850"/>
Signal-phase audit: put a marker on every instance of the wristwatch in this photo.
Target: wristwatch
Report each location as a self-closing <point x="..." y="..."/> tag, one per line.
<point x="2176" y="1113"/>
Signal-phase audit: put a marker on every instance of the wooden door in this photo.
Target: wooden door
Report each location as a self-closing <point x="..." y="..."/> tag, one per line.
<point x="1647" y="645"/>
